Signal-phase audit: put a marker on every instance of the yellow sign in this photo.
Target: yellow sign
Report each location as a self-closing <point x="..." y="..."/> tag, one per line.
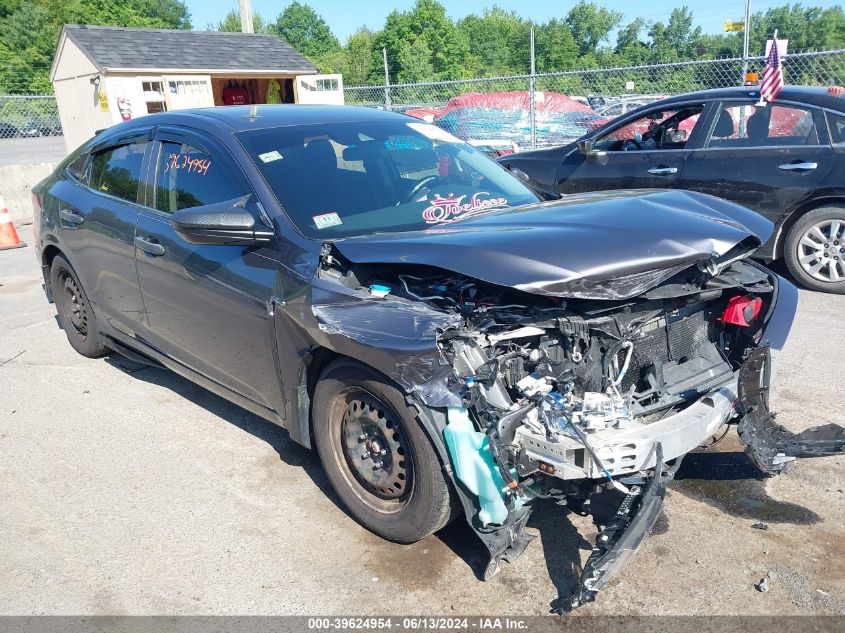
<point x="734" y="27"/>
<point x="104" y="102"/>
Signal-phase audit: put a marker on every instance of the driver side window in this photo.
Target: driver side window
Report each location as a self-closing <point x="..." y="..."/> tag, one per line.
<point x="658" y="129"/>
<point x="188" y="177"/>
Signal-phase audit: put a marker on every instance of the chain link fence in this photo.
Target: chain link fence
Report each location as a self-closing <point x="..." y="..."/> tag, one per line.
<point x="468" y="108"/>
<point x="29" y="116"/>
<point x="603" y="93"/>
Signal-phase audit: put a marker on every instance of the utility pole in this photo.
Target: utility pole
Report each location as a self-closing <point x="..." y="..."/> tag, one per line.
<point x="246" y="16"/>
<point x="386" y="80"/>
<point x="746" y="36"/>
<point x="532" y="86"/>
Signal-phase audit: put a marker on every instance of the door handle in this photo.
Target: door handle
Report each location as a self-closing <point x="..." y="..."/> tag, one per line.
<point x="148" y="246"/>
<point x="71" y="216"/>
<point x="798" y="166"/>
<point x="663" y="171"/>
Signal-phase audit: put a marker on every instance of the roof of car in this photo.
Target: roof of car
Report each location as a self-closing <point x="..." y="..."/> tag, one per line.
<point x="266" y="116"/>
<point x="817" y="96"/>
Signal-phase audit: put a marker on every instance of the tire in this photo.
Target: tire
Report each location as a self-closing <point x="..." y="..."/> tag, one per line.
<point x="355" y="412"/>
<point x="75" y="313"/>
<point x="814" y="250"/>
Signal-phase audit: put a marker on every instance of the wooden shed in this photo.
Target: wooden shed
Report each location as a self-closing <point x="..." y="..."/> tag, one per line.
<point x="103" y="74"/>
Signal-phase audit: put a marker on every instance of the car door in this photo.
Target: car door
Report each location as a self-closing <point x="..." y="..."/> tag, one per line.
<point x="98" y="209"/>
<point x="644" y="152"/>
<point x="769" y="158"/>
<point x="207" y="305"/>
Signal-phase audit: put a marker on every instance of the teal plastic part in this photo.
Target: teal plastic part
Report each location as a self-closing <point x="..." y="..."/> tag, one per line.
<point x="475" y="467"/>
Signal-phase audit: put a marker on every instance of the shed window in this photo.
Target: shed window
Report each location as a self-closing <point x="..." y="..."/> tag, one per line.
<point x="326" y="85"/>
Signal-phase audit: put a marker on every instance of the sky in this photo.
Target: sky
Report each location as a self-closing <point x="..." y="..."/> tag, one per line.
<point x="345" y="16"/>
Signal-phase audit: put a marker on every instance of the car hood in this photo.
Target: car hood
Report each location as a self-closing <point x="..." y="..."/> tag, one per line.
<point x="608" y="245"/>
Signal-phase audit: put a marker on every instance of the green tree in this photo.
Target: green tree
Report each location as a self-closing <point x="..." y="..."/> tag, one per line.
<point x="29" y="32"/>
<point x="358" y="57"/>
<point x="231" y="23"/>
<point x="498" y="41"/>
<point x="677" y="39"/>
<point x="591" y="25"/>
<point x="415" y="62"/>
<point x="306" y="30"/>
<point x="555" y="47"/>
<point x="428" y="22"/>
<point x="630" y="49"/>
<point x="806" y="28"/>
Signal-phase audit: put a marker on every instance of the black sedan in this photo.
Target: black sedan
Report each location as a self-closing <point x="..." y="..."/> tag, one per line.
<point x="446" y="339"/>
<point x="785" y="160"/>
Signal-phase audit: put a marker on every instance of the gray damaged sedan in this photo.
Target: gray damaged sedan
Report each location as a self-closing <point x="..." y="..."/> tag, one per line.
<point x="449" y="340"/>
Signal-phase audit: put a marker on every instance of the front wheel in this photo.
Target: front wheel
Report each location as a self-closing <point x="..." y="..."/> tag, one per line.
<point x="815" y="250"/>
<point x="75" y="313"/>
<point x="376" y="455"/>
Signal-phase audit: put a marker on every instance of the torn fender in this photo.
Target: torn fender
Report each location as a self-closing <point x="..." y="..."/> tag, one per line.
<point x="396" y="336"/>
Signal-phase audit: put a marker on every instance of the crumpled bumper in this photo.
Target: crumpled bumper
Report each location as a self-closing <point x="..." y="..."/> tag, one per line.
<point x="622" y="536"/>
<point x="769" y="445"/>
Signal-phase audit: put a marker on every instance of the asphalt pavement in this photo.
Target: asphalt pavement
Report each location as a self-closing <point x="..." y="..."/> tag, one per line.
<point x="129" y="490"/>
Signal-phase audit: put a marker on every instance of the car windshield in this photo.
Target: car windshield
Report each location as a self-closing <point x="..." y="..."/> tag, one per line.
<point x="356" y="178"/>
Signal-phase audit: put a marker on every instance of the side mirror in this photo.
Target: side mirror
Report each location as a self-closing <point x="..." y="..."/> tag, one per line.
<point x="225" y="222"/>
<point x="516" y="171"/>
<point x="585" y="146"/>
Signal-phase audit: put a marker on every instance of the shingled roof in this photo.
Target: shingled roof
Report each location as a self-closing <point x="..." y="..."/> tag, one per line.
<point x="123" y="48"/>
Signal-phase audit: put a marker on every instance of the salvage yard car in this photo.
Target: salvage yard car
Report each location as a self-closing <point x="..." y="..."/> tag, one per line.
<point x="448" y="340"/>
<point x="784" y="160"/>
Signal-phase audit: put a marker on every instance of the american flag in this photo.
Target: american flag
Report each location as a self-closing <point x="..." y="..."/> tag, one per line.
<point x="773" y="75"/>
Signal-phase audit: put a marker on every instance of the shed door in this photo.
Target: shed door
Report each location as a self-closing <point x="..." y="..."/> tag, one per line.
<point x="188" y="91"/>
<point x="327" y="89"/>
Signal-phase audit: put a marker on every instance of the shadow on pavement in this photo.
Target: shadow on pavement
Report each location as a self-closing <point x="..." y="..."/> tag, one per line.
<point x="728" y="479"/>
<point x="289" y="451"/>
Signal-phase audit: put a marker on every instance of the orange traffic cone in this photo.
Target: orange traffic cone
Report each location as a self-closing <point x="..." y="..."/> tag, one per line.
<point x="8" y="235"/>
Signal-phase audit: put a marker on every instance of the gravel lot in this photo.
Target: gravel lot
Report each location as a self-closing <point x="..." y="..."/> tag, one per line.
<point x="128" y="490"/>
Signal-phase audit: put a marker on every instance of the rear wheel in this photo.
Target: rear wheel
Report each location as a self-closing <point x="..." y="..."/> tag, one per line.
<point x="815" y="250"/>
<point x="75" y="314"/>
<point x="377" y="456"/>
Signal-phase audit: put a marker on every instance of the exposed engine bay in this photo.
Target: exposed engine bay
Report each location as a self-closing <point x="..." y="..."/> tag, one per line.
<point x="584" y="400"/>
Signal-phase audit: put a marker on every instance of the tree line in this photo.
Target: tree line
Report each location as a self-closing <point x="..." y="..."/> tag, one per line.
<point x="423" y="43"/>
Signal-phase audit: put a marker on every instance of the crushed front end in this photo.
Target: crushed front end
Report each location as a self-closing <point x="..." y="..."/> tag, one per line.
<point x="591" y="396"/>
<point x="593" y="402"/>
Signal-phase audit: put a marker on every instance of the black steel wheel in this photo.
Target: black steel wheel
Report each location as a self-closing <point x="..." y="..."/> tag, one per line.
<point x="76" y="316"/>
<point x="373" y="444"/>
<point x="376" y="455"/>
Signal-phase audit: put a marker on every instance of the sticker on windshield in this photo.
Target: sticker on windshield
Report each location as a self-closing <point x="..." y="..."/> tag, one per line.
<point x="434" y="133"/>
<point x="326" y="220"/>
<point x="444" y="210"/>
<point x="269" y="157"/>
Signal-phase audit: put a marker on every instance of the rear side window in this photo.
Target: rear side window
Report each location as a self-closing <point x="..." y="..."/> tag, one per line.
<point x="77" y="168"/>
<point x="117" y="170"/>
<point x="189" y="177"/>
<point x="746" y="125"/>
<point x="836" y="123"/>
